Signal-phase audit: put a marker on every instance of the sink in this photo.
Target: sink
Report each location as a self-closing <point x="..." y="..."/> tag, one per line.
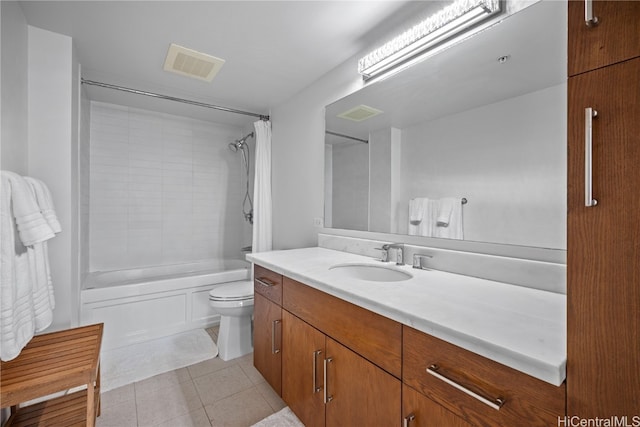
<point x="370" y="272"/>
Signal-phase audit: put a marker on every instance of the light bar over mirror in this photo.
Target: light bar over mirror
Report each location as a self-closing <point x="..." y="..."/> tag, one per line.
<point x="439" y="27"/>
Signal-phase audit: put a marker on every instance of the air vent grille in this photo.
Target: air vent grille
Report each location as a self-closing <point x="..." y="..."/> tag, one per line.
<point x="191" y="63"/>
<point x="360" y="113"/>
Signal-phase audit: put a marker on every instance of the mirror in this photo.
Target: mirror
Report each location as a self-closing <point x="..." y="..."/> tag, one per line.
<point x="461" y="124"/>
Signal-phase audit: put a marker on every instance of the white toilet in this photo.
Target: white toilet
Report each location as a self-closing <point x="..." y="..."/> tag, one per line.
<point x="234" y="302"/>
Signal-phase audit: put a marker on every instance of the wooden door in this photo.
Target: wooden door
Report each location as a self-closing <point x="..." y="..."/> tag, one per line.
<point x="303" y="352"/>
<point x="615" y="38"/>
<point x="361" y="394"/>
<point x="420" y="411"/>
<point x="267" y="344"/>
<point x="603" y="247"/>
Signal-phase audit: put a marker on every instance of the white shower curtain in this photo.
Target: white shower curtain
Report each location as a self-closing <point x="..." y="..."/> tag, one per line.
<point x="262" y="189"/>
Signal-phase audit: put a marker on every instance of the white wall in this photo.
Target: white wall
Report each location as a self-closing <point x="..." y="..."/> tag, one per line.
<point x="52" y="154"/>
<point x="350" y="192"/>
<point x="165" y="189"/>
<point x="13" y="89"/>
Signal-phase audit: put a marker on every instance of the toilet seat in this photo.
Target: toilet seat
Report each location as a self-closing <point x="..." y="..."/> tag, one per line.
<point x="235" y="291"/>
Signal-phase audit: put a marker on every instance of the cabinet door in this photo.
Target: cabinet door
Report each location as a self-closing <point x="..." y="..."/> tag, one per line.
<point x="303" y="352"/>
<point x="615" y="38"/>
<point x="420" y="411"/>
<point x="603" y="249"/>
<point x="361" y="394"/>
<point x="267" y="335"/>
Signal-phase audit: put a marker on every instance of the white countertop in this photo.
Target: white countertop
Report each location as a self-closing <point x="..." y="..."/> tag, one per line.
<point x="520" y="327"/>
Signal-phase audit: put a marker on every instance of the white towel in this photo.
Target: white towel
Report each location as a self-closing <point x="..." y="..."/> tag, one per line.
<point x="32" y="227"/>
<point x="45" y="203"/>
<point x="426" y="227"/>
<point x="454" y="227"/>
<point x="445" y="207"/>
<point x="17" y="320"/>
<point x="416" y="211"/>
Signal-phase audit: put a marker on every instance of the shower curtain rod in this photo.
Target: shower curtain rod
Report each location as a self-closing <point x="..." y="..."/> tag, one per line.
<point x="173" y="98"/>
<point x="328" y="132"/>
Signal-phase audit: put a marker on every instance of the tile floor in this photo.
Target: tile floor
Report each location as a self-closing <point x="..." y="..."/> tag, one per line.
<point x="213" y="393"/>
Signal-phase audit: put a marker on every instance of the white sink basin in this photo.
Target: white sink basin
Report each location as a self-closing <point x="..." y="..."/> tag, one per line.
<point x="370" y="272"/>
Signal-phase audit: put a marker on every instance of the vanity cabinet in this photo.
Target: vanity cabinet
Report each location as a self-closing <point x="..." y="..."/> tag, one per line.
<point x="420" y="411"/>
<point x="478" y="390"/>
<point x="603" y="279"/>
<point x="267" y="326"/>
<point x="341" y="363"/>
<point x="614" y="38"/>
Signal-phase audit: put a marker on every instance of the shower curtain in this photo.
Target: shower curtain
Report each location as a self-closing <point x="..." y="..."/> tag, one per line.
<point x="262" y="189"/>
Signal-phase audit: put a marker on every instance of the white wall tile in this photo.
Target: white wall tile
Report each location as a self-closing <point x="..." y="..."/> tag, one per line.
<point x="163" y="189"/>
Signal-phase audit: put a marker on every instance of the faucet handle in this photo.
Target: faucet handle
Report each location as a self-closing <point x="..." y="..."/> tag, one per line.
<point x="385" y="253"/>
<point x="417" y="260"/>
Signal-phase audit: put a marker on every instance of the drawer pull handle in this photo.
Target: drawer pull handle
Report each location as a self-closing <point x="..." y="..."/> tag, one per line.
<point x="327" y="398"/>
<point x="408" y="419"/>
<point x="589" y="115"/>
<point x="315" y="370"/>
<point x="265" y="282"/>
<point x="495" y="403"/>
<point x="274" y="350"/>
<point x="589" y="19"/>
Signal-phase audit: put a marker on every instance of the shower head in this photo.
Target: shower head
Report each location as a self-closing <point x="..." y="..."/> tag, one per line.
<point x="239" y="144"/>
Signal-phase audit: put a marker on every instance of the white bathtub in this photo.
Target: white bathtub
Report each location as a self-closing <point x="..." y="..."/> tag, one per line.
<point x="146" y="303"/>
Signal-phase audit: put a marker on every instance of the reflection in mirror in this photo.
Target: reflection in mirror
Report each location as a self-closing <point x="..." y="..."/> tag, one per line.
<point x="483" y="120"/>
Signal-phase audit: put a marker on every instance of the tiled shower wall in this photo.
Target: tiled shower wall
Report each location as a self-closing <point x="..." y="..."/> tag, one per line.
<point x="164" y="189"/>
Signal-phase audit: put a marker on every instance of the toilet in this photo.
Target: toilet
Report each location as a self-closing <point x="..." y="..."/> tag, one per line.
<point x="234" y="302"/>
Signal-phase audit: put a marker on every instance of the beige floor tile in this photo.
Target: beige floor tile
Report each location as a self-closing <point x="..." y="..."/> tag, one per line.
<point x="166" y="402"/>
<point x="246" y="363"/>
<point x="240" y="410"/>
<point x="220" y="384"/>
<point x="120" y="415"/>
<point x="271" y="396"/>
<point x="159" y="381"/>
<point x="117" y="396"/>
<point x="208" y="366"/>
<point x="197" y="418"/>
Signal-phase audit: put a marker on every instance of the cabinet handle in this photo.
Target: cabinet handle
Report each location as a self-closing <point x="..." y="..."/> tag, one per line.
<point x="315" y="370"/>
<point x="327" y="398"/>
<point x="408" y="419"/>
<point x="589" y="19"/>
<point x="589" y="114"/>
<point x="265" y="282"/>
<point x="274" y="350"/>
<point x="494" y="403"/>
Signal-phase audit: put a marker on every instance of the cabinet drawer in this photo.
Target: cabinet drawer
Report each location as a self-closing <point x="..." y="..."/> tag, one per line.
<point x="523" y="397"/>
<point x="375" y="337"/>
<point x="267" y="283"/>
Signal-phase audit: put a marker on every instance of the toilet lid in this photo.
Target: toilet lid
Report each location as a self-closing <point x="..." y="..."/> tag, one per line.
<point x="234" y="291"/>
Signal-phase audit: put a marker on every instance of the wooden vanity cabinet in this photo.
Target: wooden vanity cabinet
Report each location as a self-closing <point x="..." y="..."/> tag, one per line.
<point x="267" y="326"/>
<point x="420" y="411"/>
<point x="614" y="38"/>
<point x="510" y="397"/>
<point x="321" y="334"/>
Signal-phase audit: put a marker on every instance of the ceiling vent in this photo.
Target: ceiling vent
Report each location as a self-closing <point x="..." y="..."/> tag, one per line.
<point x="190" y="63"/>
<point x="360" y="113"/>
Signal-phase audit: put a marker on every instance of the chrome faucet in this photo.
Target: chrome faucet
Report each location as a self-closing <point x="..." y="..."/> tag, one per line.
<point x="417" y="260"/>
<point x="385" y="252"/>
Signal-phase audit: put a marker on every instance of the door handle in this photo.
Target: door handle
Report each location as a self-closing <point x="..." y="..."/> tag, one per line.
<point x="315" y="370"/>
<point x="274" y="324"/>
<point x="494" y="403"/>
<point x="589" y="115"/>
<point x="589" y="19"/>
<point x="327" y="398"/>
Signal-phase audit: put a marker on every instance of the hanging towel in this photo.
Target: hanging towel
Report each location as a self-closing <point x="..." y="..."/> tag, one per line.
<point x="416" y="211"/>
<point x="445" y="207"/>
<point x="32" y="226"/>
<point x="426" y="226"/>
<point x="45" y="203"/>
<point x="17" y="320"/>
<point x="453" y="229"/>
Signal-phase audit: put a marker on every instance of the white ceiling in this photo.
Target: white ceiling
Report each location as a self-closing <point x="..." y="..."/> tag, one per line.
<point x="272" y="49"/>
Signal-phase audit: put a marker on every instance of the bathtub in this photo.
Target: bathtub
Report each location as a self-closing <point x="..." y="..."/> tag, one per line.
<point x="141" y="304"/>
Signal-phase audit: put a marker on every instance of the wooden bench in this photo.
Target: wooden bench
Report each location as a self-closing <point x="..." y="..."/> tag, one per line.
<point x="51" y="363"/>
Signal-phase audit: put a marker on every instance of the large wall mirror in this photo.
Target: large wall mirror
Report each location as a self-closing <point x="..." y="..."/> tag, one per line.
<point x="484" y="121"/>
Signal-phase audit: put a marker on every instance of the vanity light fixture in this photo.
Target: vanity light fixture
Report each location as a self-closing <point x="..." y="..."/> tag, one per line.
<point x="448" y="22"/>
